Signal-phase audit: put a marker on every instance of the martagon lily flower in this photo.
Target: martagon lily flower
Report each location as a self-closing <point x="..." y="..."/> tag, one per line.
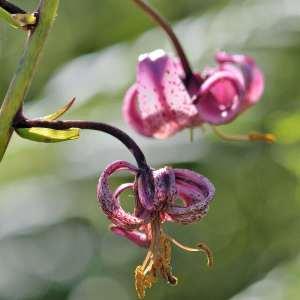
<point x="168" y="96"/>
<point x="162" y="103"/>
<point x="153" y="207"/>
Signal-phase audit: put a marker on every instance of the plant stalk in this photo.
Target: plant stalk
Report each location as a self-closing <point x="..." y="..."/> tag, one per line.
<point x="11" y="8"/>
<point x="22" y="79"/>
<point x="22" y="122"/>
<point x="162" y="22"/>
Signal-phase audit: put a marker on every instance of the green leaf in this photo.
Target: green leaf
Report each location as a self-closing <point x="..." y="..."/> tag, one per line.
<point x="46" y="135"/>
<point x="60" y="112"/>
<point x="8" y="18"/>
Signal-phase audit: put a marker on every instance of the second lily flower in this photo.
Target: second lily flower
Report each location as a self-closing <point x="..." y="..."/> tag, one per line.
<point x="163" y="102"/>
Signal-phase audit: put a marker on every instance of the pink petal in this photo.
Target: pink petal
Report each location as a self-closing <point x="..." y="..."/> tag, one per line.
<point x="165" y="189"/>
<point x="253" y="76"/>
<point x="131" y="113"/>
<point x="165" y="186"/>
<point x="139" y="210"/>
<point x="140" y="238"/>
<point x="110" y="204"/>
<point x="220" y="97"/>
<point x="161" y="104"/>
<point x="255" y="84"/>
<point x="196" y="192"/>
<point x="146" y="191"/>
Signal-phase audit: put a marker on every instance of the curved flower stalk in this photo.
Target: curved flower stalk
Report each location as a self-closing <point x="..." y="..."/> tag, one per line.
<point x="144" y="226"/>
<point x="168" y="96"/>
<point x="11" y="8"/>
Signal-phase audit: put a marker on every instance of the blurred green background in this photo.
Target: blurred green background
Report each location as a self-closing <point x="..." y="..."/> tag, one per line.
<point x="54" y="241"/>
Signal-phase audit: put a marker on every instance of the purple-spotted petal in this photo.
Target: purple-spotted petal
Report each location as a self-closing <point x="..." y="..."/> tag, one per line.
<point x="110" y="203"/>
<point x="196" y="191"/>
<point x="139" y="238"/>
<point x="146" y="190"/>
<point x="131" y="113"/>
<point x="220" y="97"/>
<point x="159" y="105"/>
<point x="164" y="189"/>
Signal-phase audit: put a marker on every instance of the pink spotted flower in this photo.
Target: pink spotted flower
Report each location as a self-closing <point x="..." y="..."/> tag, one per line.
<point x="163" y="101"/>
<point x="144" y="226"/>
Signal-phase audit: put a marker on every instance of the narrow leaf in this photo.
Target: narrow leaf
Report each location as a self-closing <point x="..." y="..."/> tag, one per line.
<point x="60" y="112"/>
<point x="46" y="135"/>
<point x="8" y="18"/>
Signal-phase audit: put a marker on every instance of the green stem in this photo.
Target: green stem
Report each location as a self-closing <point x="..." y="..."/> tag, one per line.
<point x="22" y="79"/>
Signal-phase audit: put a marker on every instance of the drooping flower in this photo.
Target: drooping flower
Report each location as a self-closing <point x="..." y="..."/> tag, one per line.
<point x="144" y="226"/>
<point x="162" y="102"/>
<point x="158" y="104"/>
<point x="230" y="88"/>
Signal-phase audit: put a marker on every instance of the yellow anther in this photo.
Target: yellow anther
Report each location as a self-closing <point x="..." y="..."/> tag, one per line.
<point x="210" y="260"/>
<point x="143" y="281"/>
<point x="267" y="137"/>
<point x="200" y="247"/>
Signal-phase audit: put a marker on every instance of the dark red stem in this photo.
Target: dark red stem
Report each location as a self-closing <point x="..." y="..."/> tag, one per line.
<point x="171" y="34"/>
<point x="11" y="8"/>
<point x="23" y="122"/>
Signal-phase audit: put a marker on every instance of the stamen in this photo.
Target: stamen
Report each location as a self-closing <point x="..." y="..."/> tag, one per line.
<point x="157" y="261"/>
<point x="267" y="137"/>
<point x="252" y="137"/>
<point x="208" y="252"/>
<point x="143" y="281"/>
<point x="145" y="274"/>
<point x="201" y="247"/>
<point x="172" y="279"/>
<point x="147" y="258"/>
<point x="144" y="277"/>
<point x="165" y="261"/>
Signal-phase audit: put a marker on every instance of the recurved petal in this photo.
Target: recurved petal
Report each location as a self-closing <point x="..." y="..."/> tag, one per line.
<point x="162" y="104"/>
<point x="132" y="114"/>
<point x="165" y="186"/>
<point x="110" y="203"/>
<point x="253" y="76"/>
<point x="220" y="98"/>
<point x="164" y="189"/>
<point x="224" y="57"/>
<point x="196" y="191"/>
<point x="255" y="84"/>
<point x="146" y="190"/>
<point x="138" y="237"/>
